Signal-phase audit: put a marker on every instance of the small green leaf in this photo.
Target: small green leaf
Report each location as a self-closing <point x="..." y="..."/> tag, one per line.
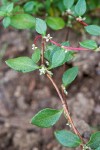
<point x="67" y="138"/>
<point x="89" y="44"/>
<point x="80" y="7"/>
<point x="10" y="7"/>
<point x="6" y="22"/>
<point x="28" y="7"/>
<point x="23" y="21"/>
<point x="69" y="75"/>
<point x="41" y="26"/>
<point x="23" y="64"/>
<point x="36" y="55"/>
<point x="68" y="3"/>
<point x="2" y="13"/>
<point x="55" y="23"/>
<point x="46" y="117"/>
<point x="94" y="141"/>
<point x="93" y="29"/>
<point x="57" y="58"/>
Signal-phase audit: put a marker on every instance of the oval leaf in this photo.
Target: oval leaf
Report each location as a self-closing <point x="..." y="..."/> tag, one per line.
<point x="69" y="75"/>
<point x="93" y="29"/>
<point x="10" y="7"/>
<point x="6" y="22"/>
<point x="80" y="7"/>
<point x="23" y="64"/>
<point x="94" y="141"/>
<point x="58" y="58"/>
<point x="68" y="3"/>
<point x="36" y="55"/>
<point x="67" y="138"/>
<point x="55" y="23"/>
<point x="89" y="44"/>
<point x="41" y="26"/>
<point x="46" y="117"/>
<point x="23" y="21"/>
<point x="28" y="7"/>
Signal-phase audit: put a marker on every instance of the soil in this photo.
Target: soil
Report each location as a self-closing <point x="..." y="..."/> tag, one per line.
<point x="23" y="95"/>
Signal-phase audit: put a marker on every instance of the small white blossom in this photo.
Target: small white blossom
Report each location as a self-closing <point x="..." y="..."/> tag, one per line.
<point x="42" y="70"/>
<point x="47" y="63"/>
<point x="34" y="47"/>
<point x="80" y="18"/>
<point x="98" y="49"/>
<point x="47" y="38"/>
<point x="68" y="11"/>
<point x="68" y="124"/>
<point x="64" y="89"/>
<point x="85" y="147"/>
<point x="66" y="93"/>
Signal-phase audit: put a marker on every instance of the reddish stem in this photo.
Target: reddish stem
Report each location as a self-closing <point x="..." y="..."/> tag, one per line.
<point x="83" y="23"/>
<point x="68" y="48"/>
<point x="37" y="37"/>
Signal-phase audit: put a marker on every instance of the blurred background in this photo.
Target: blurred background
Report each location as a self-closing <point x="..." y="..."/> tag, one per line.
<point x="23" y="95"/>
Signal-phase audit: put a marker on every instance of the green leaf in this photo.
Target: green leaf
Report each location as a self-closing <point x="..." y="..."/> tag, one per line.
<point x="46" y="117"/>
<point x="28" y="7"/>
<point x="68" y="55"/>
<point x="80" y="7"/>
<point x="10" y="7"/>
<point x="36" y="55"/>
<point x="98" y="148"/>
<point x="23" y="64"/>
<point x="57" y="58"/>
<point x="6" y="22"/>
<point x="93" y="29"/>
<point x="55" y="23"/>
<point x="94" y="141"/>
<point x="89" y="44"/>
<point x="67" y="138"/>
<point x="41" y="26"/>
<point x="68" y="3"/>
<point x="23" y="21"/>
<point x="69" y="75"/>
<point x="2" y="13"/>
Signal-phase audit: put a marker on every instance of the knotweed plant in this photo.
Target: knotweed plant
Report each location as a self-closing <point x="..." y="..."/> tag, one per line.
<point x="49" y="56"/>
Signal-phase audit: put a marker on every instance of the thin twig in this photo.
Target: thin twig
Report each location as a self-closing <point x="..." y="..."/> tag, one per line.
<point x="43" y="49"/>
<point x="65" y="107"/>
<point x="81" y="22"/>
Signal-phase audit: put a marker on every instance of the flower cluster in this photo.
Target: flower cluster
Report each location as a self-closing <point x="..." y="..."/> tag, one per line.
<point x="43" y="70"/>
<point x="47" y="38"/>
<point x="80" y="18"/>
<point x="34" y="47"/>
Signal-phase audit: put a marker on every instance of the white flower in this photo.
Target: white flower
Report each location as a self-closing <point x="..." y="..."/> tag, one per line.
<point x="68" y="124"/>
<point x="64" y="89"/>
<point x="80" y="18"/>
<point x="98" y="49"/>
<point x="47" y="63"/>
<point x="85" y="147"/>
<point x="68" y="11"/>
<point x="34" y="47"/>
<point x="42" y="70"/>
<point x="47" y="38"/>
